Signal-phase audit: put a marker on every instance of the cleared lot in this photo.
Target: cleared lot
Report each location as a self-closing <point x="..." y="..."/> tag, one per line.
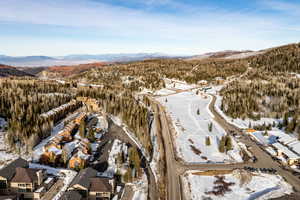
<point x="194" y="124"/>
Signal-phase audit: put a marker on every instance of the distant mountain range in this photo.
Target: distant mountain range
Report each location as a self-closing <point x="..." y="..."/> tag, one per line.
<point x="6" y="71"/>
<point x="227" y="54"/>
<point x="44" y="61"/>
<point x="77" y="59"/>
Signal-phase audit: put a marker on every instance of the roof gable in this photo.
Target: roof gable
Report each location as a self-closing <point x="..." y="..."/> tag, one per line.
<point x="25" y="175"/>
<point x="100" y="185"/>
<point x="9" y="170"/>
<point x="83" y="177"/>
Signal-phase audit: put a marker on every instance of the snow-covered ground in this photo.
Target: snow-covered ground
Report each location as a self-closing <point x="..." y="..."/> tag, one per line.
<point x="154" y="164"/>
<point x="5" y="155"/>
<point x="177" y="85"/>
<point x="192" y="129"/>
<point x="140" y="189"/>
<point x="246" y="186"/>
<point x="242" y="123"/>
<point x="116" y="148"/>
<point x="163" y="91"/>
<point x="131" y="135"/>
<point x="244" y="55"/>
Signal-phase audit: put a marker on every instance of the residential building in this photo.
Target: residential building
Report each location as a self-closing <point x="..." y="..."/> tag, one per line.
<point x="17" y="179"/>
<point x="26" y="181"/>
<point x="290" y="157"/>
<point x="8" y="172"/>
<point x="89" y="186"/>
<point x="71" y="195"/>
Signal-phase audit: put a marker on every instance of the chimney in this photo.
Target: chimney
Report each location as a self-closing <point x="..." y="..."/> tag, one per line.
<point x="112" y="183"/>
<point x="40" y="176"/>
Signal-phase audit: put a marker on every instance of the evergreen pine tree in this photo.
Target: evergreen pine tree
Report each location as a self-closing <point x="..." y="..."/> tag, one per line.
<point x="207" y="141"/>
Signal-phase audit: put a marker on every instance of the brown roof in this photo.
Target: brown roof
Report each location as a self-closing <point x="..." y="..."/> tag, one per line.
<point x="71" y="195"/>
<point x="9" y="170"/>
<point x="25" y="175"/>
<point x="100" y="185"/>
<point x="83" y="177"/>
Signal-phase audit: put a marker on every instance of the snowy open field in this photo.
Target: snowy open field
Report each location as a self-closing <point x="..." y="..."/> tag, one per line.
<point x="192" y="129"/>
<point x="240" y="186"/>
<point x="177" y="85"/>
<point x="163" y="91"/>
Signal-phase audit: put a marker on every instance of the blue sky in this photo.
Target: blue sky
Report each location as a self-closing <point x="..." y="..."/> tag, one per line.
<point x="61" y="27"/>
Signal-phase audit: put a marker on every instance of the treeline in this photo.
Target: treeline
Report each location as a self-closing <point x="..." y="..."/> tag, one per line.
<point x="281" y="59"/>
<point x="271" y="88"/>
<point x="21" y="103"/>
<point x="123" y="104"/>
<point x="150" y="73"/>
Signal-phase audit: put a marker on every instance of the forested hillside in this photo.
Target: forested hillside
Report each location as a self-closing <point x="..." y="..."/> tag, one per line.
<point x="22" y="102"/>
<point x="271" y="88"/>
<point x="150" y="73"/>
<point x="6" y="71"/>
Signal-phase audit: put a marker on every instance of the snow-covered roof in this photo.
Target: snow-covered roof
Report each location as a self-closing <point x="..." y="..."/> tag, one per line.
<point x="40" y="189"/>
<point x="55" y="150"/>
<point x="285" y="139"/>
<point x="271" y="151"/>
<point x="295" y="146"/>
<point x="102" y="123"/>
<point x="53" y="111"/>
<point x="98" y="135"/>
<point x="286" y="151"/>
<point x="69" y="147"/>
<point x="83" y="155"/>
<point x="260" y="138"/>
<point x="94" y="146"/>
<point x="48" y="180"/>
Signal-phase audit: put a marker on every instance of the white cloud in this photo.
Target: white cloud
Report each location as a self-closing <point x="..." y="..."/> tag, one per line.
<point x="287" y="7"/>
<point x="142" y="31"/>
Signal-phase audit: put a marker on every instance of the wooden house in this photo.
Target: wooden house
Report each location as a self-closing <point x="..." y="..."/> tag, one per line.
<point x="89" y="186"/>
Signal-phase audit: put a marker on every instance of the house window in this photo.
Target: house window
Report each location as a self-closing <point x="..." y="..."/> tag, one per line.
<point x="28" y="185"/>
<point x="21" y="185"/>
<point x="3" y="184"/>
<point x="83" y="193"/>
<point x="21" y="190"/>
<point x="98" y="194"/>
